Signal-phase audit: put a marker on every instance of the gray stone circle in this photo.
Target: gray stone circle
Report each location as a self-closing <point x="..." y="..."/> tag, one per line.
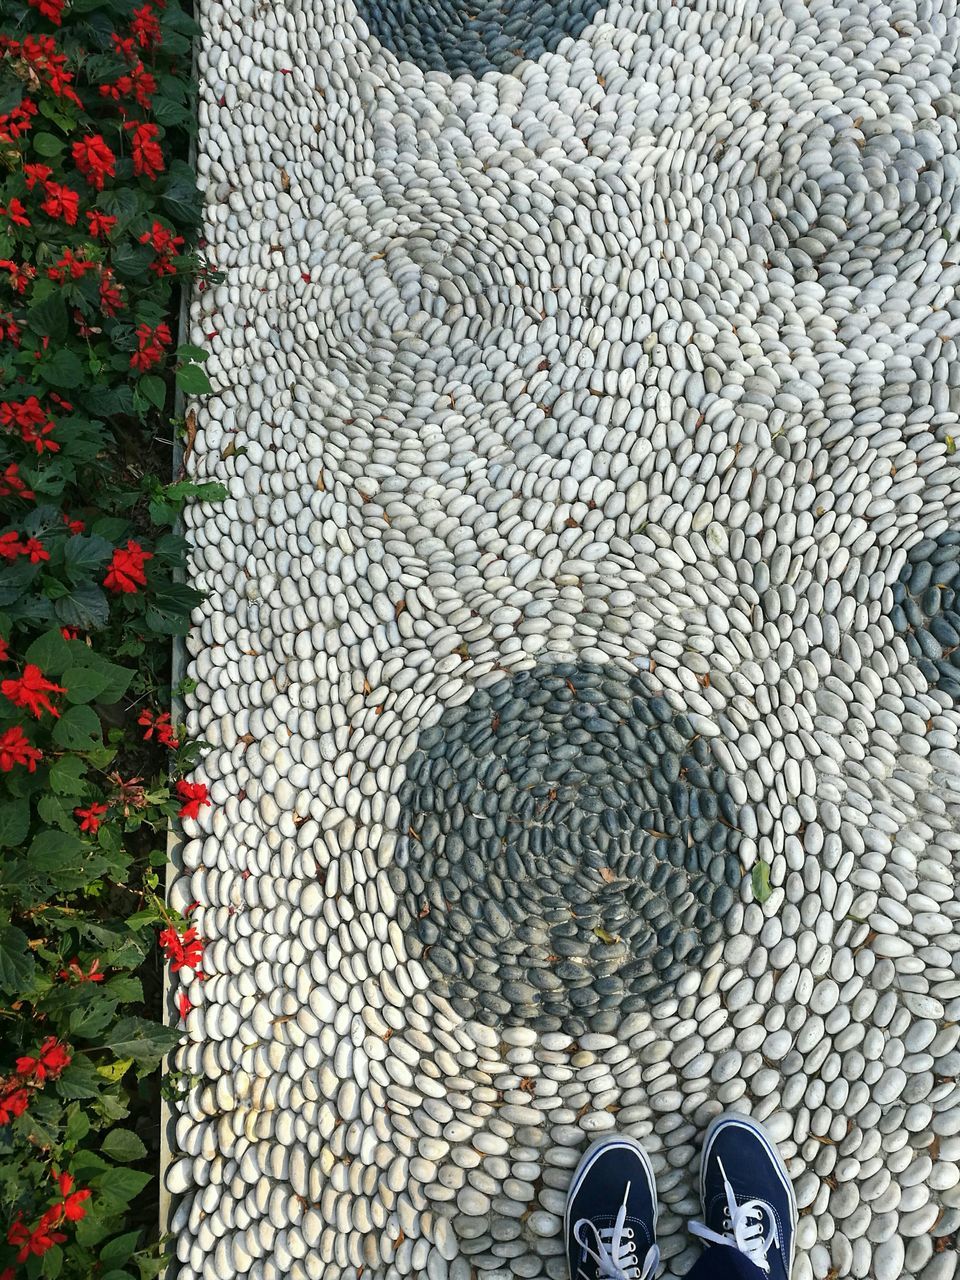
<point x="568" y="849"/>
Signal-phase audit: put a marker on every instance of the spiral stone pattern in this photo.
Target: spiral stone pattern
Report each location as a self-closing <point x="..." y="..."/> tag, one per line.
<point x="617" y="341"/>
<point x="569" y="848"/>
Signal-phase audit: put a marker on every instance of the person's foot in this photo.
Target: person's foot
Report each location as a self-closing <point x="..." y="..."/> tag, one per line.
<point x="610" y="1222"/>
<point x="748" y="1199"/>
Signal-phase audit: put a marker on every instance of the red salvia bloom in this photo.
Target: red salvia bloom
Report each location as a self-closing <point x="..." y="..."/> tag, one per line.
<point x="101" y="224"/>
<point x="50" y="66"/>
<point x="31" y="420"/>
<point x="14" y="1100"/>
<point x="20" y="276"/>
<point x="71" y="267"/>
<point x="52" y="10"/>
<point x="16" y="749"/>
<point x="183" y="1008"/>
<point x="10" y="547"/>
<point x="145" y="27"/>
<point x="194" y="795"/>
<point x="73" y="1209"/>
<point x="61" y="202"/>
<point x="95" y="160"/>
<point x="9" y="328"/>
<point x="50" y="1061"/>
<point x="124" y="46"/>
<point x="4" y="650"/>
<point x="34" y="173"/>
<point x="14" y="124"/>
<point x="11" y="486"/>
<point x="125" y="573"/>
<point x="16" y="212"/>
<point x="35" y="551"/>
<point x="158" y="723"/>
<point x="150" y="344"/>
<point x="183" y="951"/>
<point x="37" y="1241"/>
<point x="89" y="818"/>
<point x="74" y="972"/>
<point x="30" y="691"/>
<point x="111" y="293"/>
<point x="147" y="155"/>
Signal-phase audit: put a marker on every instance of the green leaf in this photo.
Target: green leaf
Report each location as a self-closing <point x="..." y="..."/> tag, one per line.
<point x="187" y="352"/>
<point x="192" y="379"/>
<point x="17" y="965"/>
<point x="78" y="729"/>
<point x="119" y="1186"/>
<point x="63" y="369"/>
<point x="85" y="607"/>
<point x="52" y="850"/>
<point x="85" y="553"/>
<point x="45" y="144"/>
<point x="84" y="684"/>
<point x="168" y="608"/>
<point x="761" y="881"/>
<point x="50" y="652"/>
<point x="145" y="1042"/>
<point x="14" y="823"/>
<point x="180" y="195"/>
<point x="119" y="1249"/>
<point x="154" y="389"/>
<point x="122" y="1145"/>
<point x="67" y="776"/>
<point x="48" y="318"/>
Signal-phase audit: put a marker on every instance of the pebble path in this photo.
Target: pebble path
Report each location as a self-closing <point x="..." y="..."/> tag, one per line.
<point x="580" y="660"/>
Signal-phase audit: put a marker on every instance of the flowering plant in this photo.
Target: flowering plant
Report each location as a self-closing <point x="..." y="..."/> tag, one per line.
<point x="98" y="217"/>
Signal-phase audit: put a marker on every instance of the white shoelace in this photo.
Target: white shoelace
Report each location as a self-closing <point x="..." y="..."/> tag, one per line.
<point x="744" y="1225"/>
<point x="616" y="1249"/>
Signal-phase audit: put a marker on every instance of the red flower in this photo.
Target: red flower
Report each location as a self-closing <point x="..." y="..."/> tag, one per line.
<point x="183" y="951"/>
<point x="138" y="83"/>
<point x="70" y="266"/>
<point x="145" y="27"/>
<point x="89" y="818"/>
<point x="11" y="485"/>
<point x="38" y="1241"/>
<point x="10" y="547"/>
<point x="158" y="723"/>
<point x="193" y="794"/>
<point x="61" y="202"/>
<point x="16" y="749"/>
<point x="75" y="526"/>
<point x="9" y="328"/>
<point x="73" y="970"/>
<point x="69" y="633"/>
<point x="16" y="212"/>
<point x="34" y="173"/>
<point x="15" y="123"/>
<point x="30" y="418"/>
<point x="73" y="1209"/>
<point x="124" y="46"/>
<point x="125" y="573"/>
<point x="147" y="155"/>
<point x="50" y="1061"/>
<point x="4" y="650"/>
<point x="35" y="551"/>
<point x="150" y="344"/>
<point x="20" y="276"/>
<point x="111" y="294"/>
<point x="52" y="10"/>
<point x="30" y="690"/>
<point x="183" y="1008"/>
<point x="167" y="247"/>
<point x="101" y="224"/>
<point x="14" y="1100"/>
<point x="95" y="160"/>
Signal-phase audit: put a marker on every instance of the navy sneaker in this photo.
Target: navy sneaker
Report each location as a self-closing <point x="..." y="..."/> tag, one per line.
<point x="748" y="1200"/>
<point x="610" y="1222"/>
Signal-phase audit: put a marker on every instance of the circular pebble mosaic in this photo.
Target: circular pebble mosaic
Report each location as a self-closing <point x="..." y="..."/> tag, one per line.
<point x="615" y="346"/>
<point x="569" y="848"/>
<point x="474" y="36"/>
